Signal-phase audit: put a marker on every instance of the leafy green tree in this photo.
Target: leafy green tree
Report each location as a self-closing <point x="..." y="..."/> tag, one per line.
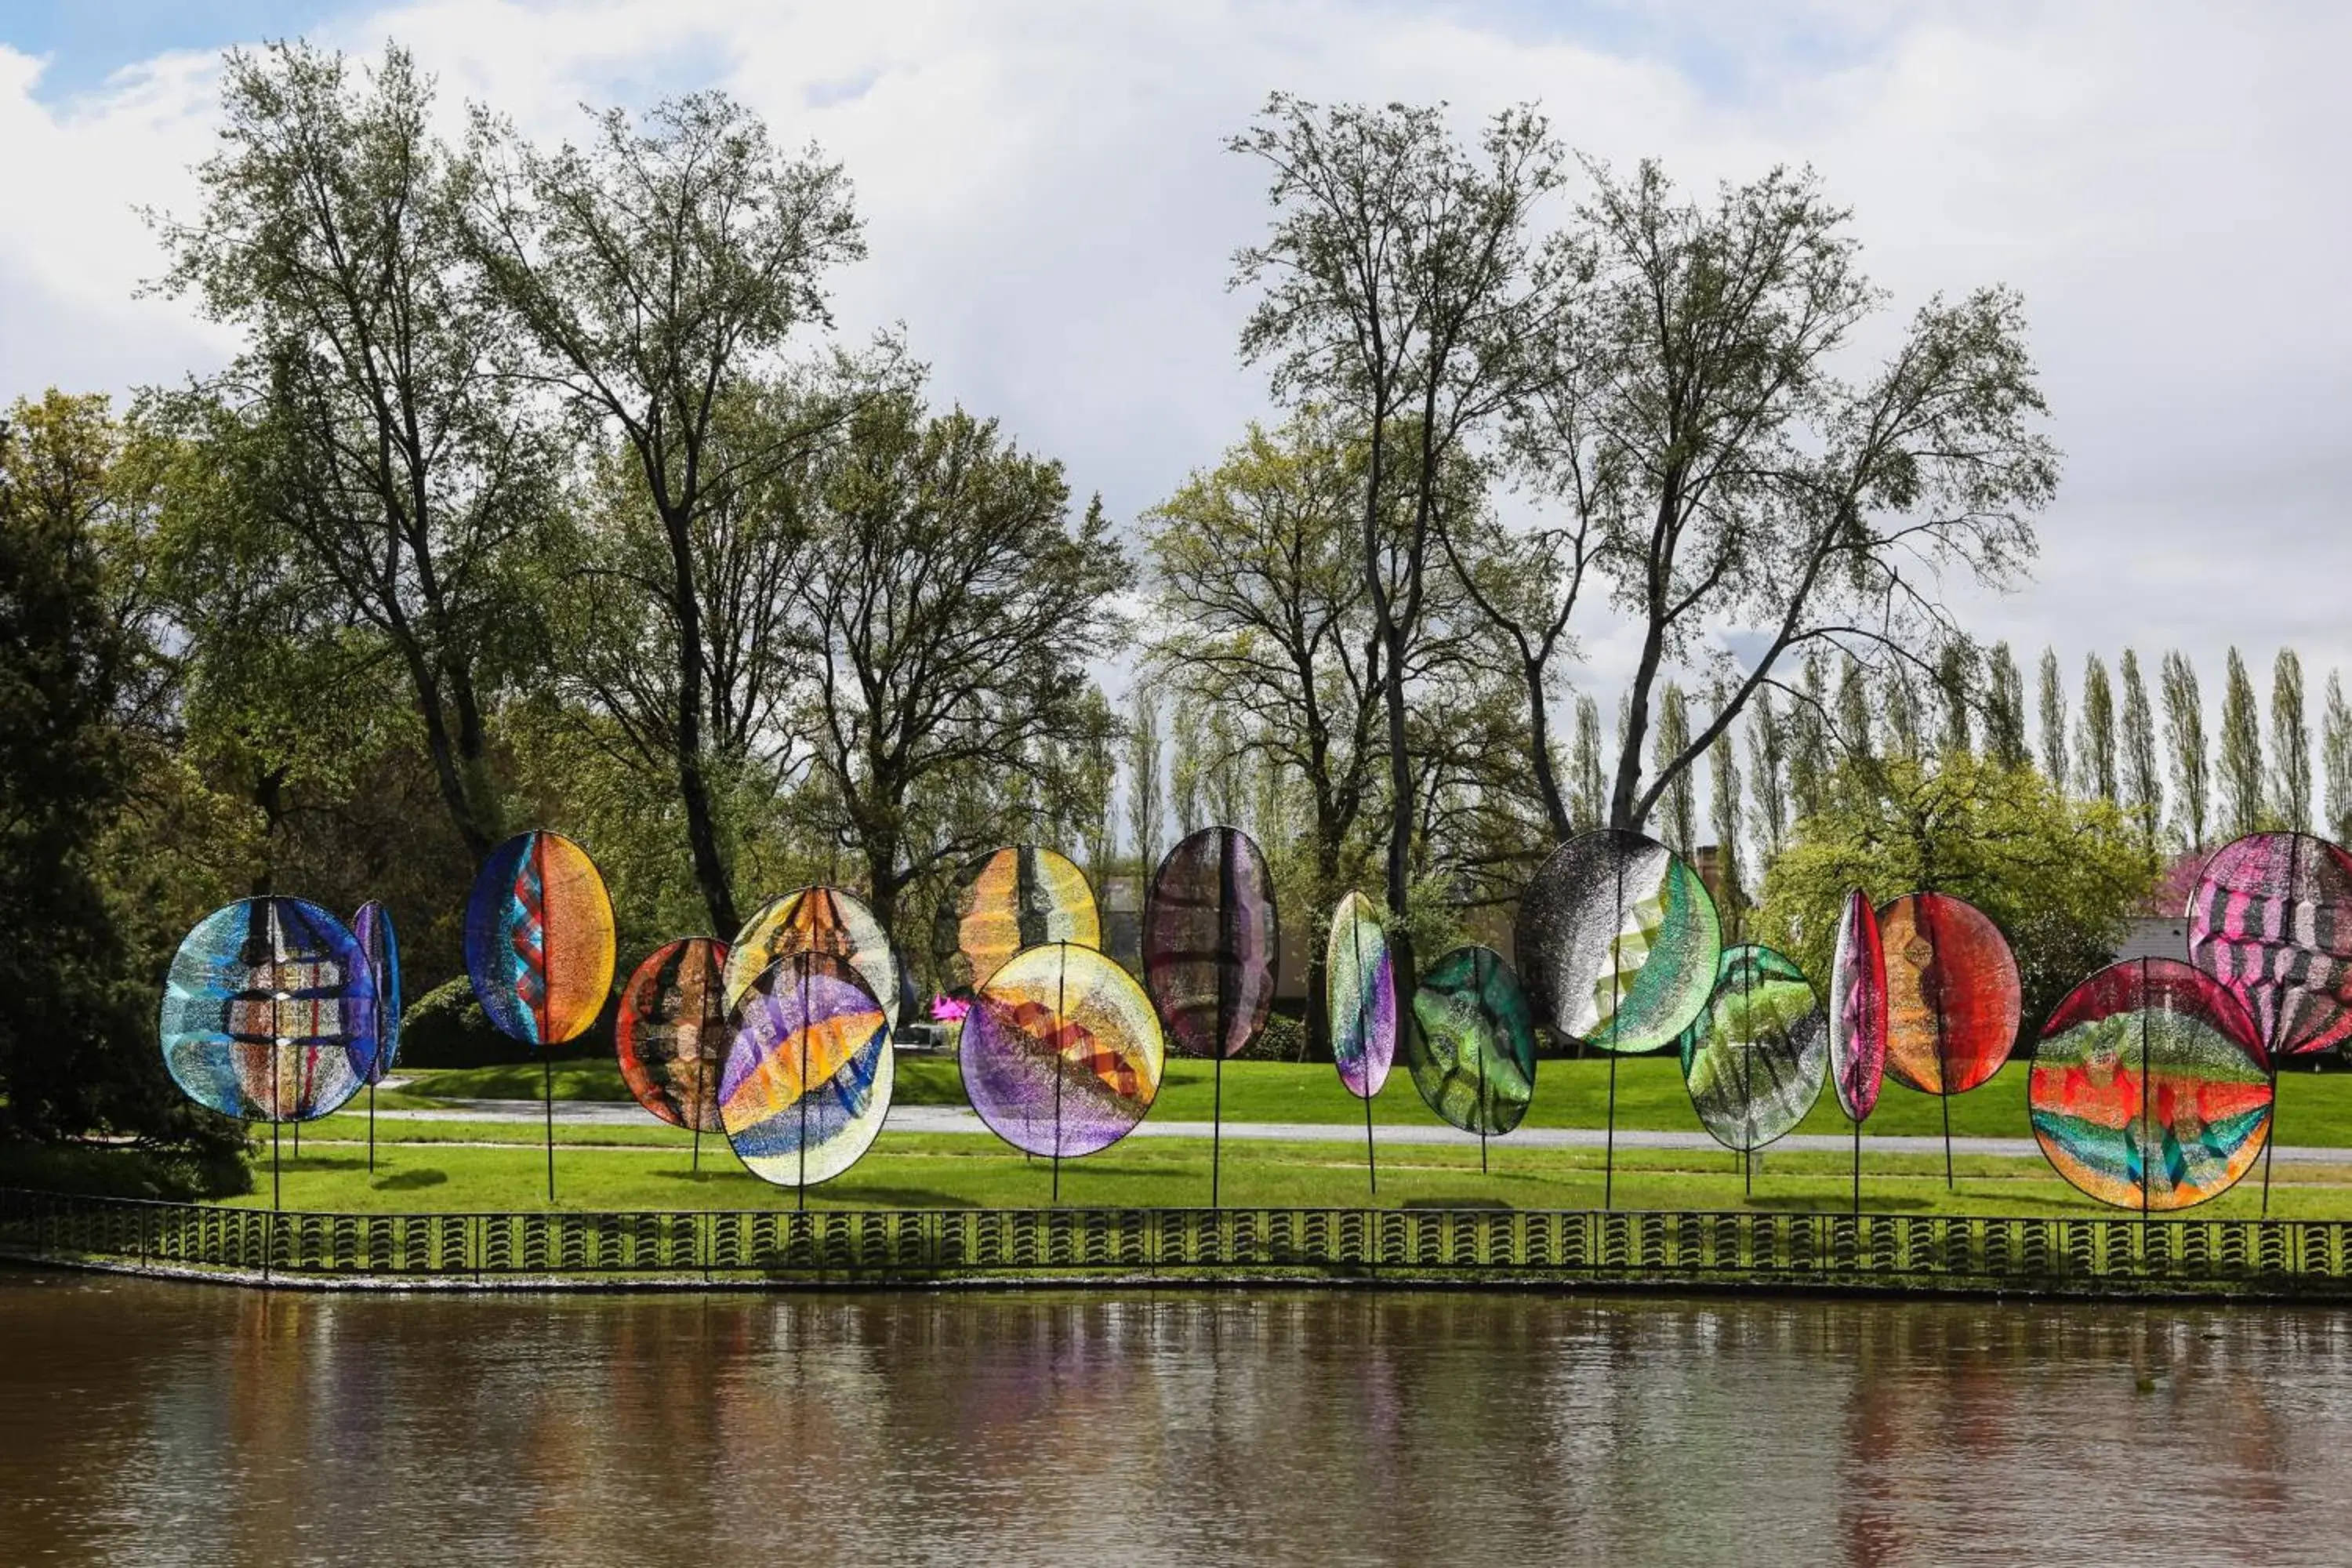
<point x="2241" y="759"/>
<point x="1680" y="826"/>
<point x="2053" y="721"/>
<point x="951" y="606"/>
<point x="1725" y="807"/>
<point x="2061" y="877"/>
<point x="2336" y="756"/>
<point x="2290" y="745"/>
<point x="2143" y="771"/>
<point x="411" y="466"/>
<point x="1900" y="705"/>
<point x="1399" y="284"/>
<point x="1956" y="682"/>
<point x="1810" y="766"/>
<point x="1767" y="773"/>
<point x="1146" y="804"/>
<point x="2095" y="734"/>
<point x="1589" y="809"/>
<point x="2005" y="710"/>
<point x="2184" y="737"/>
<point x="651" y="273"/>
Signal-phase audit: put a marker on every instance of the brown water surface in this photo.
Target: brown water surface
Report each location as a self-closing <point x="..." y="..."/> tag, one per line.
<point x="153" y="1422"/>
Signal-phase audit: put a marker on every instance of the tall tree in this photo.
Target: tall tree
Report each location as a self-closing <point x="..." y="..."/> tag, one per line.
<point x="2184" y="737"/>
<point x="2335" y="757"/>
<point x="1146" y="804"/>
<point x="2290" y="745"/>
<point x="1397" y="285"/>
<point x="2241" y="758"/>
<point x="1768" y="773"/>
<point x="952" y="605"/>
<point x="2095" y="734"/>
<point x="1900" y="704"/>
<point x="650" y="272"/>
<point x="1188" y="766"/>
<point x="1808" y="749"/>
<point x="1956" y="681"/>
<point x="2053" y="721"/>
<point x="410" y="464"/>
<point x="1735" y="478"/>
<point x="2005" y="710"/>
<point x="1724" y="805"/>
<point x="1673" y="734"/>
<point x="2143" y="771"/>
<point x="1590" y="806"/>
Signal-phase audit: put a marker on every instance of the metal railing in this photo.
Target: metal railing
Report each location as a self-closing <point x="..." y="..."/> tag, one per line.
<point x="2276" y="1258"/>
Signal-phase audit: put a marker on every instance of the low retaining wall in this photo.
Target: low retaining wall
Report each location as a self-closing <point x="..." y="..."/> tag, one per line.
<point x="2238" y="1259"/>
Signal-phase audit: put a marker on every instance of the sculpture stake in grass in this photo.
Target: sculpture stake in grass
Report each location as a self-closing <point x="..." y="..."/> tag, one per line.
<point x="1952" y="999"/>
<point x="269" y="1013"/>
<point x="1858" y="1019"/>
<point x="672" y="1033"/>
<point x="539" y="950"/>
<point x="1618" y="941"/>
<point x="1754" y="1062"/>
<point x="2150" y="1088"/>
<point x="2271" y="920"/>
<point x="1472" y="1049"/>
<point x="809" y="1071"/>
<point x="1360" y="994"/>
<point x="1062" y="1055"/>
<point x="371" y="927"/>
<point x="1209" y="947"/>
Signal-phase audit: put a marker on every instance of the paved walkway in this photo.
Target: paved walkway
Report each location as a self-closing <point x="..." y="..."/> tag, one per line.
<point x="960" y="1119"/>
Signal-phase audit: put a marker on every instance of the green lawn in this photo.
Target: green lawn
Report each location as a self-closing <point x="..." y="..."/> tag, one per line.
<point x="2315" y="1108"/>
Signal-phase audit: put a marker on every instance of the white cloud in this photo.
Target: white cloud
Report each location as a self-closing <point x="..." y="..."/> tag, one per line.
<point x="1050" y="213"/>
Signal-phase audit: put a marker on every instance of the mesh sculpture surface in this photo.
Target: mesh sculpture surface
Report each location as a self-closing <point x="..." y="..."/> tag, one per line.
<point x="1857" y="1009"/>
<point x="1472" y="1051"/>
<point x="1754" y="1062"/>
<point x="1209" y="942"/>
<point x="672" y="1033"/>
<point x="816" y="920"/>
<point x="1019" y="898"/>
<point x="2150" y="1088"/>
<point x="809" y="1071"/>
<point x="372" y="928"/>
<point x="1359" y="986"/>
<point x="539" y="939"/>
<point x="270" y="1012"/>
<point x="1952" y="994"/>
<point x="1062" y="1054"/>
<point x="1618" y="941"/>
<point x="2271" y="918"/>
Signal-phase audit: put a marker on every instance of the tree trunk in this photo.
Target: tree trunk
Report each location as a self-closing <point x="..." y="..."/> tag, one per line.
<point x="1539" y="753"/>
<point x="701" y="823"/>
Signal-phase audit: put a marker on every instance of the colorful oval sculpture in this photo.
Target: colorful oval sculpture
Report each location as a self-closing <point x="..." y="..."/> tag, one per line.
<point x="1618" y="941"/>
<point x="1857" y="1009"/>
<point x="371" y="927"/>
<point x="539" y="939"/>
<point x="2271" y="918"/>
<point x="1952" y="994"/>
<point x="815" y="920"/>
<point x="1209" y="942"/>
<point x="1061" y="1053"/>
<point x="2150" y="1088"/>
<point x="809" y="1072"/>
<point x="1019" y="898"/>
<point x="1360" y="986"/>
<point x="1754" y="1062"/>
<point x="270" y="1012"/>
<point x="1472" y="1051"/>
<point x="672" y="1033"/>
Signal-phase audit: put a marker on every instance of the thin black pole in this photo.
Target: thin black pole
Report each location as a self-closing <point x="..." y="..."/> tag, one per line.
<point x="1478" y="978"/>
<point x="547" y="1099"/>
<point x="1857" y="1168"/>
<point x="1943" y="1047"/>
<point x="800" y="1188"/>
<point x="2147" y="1127"/>
<point x="1747" y="1047"/>
<point x="276" y="1163"/>
<point x="547" y="995"/>
<point x="2286" y="917"/>
<point x="1054" y="1055"/>
<point x="1226" y="946"/>
<point x="1216" y="1114"/>
<point x="1363" y="1032"/>
<point x="1609" y="1143"/>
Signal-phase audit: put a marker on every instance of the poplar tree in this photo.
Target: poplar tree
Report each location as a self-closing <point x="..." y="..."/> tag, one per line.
<point x="2184" y="736"/>
<point x="2336" y="756"/>
<point x="1955" y="678"/>
<point x="1809" y="762"/>
<point x="1901" y="708"/>
<point x="2290" y="745"/>
<point x="2142" y="774"/>
<point x="1145" y="803"/>
<point x="2053" y="721"/>
<point x="2241" y="760"/>
<point x="1672" y="739"/>
<point x="1724" y="805"/>
<point x="1591" y="787"/>
<point x="1768" y="767"/>
<point x="2095" y="734"/>
<point x="2005" y="708"/>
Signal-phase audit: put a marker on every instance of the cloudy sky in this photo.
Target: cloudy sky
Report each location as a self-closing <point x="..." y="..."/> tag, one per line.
<point x="1050" y="214"/>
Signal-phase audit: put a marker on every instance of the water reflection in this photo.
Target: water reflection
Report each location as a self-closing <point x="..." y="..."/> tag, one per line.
<point x="149" y="1422"/>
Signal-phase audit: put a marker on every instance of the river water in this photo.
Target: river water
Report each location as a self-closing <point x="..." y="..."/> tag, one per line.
<point x="146" y="1421"/>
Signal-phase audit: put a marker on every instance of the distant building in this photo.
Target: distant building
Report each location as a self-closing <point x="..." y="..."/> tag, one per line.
<point x="2159" y="927"/>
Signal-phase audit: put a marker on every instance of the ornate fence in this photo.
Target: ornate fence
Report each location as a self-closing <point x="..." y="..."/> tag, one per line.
<point x="2310" y="1258"/>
